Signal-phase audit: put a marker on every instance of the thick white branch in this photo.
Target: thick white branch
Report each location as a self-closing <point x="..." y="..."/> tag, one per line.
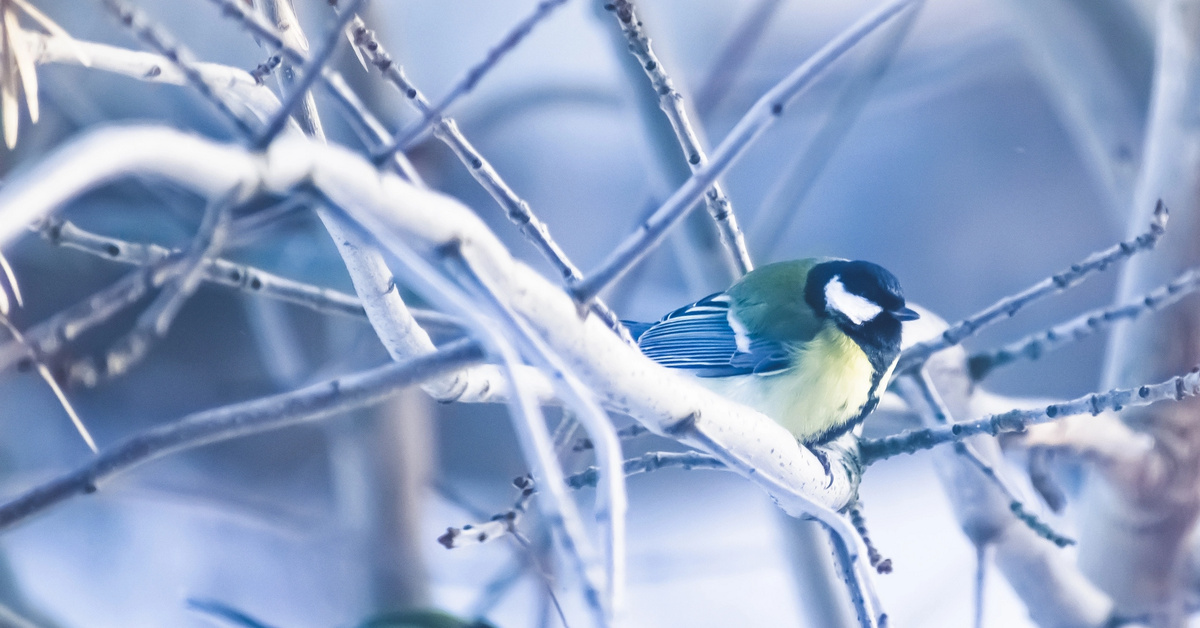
<point x="391" y="209"/>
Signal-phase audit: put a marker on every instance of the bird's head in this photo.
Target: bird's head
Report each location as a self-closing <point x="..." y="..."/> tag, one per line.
<point x="862" y="298"/>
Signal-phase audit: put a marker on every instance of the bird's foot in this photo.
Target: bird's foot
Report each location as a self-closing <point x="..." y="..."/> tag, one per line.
<point x="824" y="460"/>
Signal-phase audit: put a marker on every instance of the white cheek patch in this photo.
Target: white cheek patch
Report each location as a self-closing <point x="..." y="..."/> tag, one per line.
<point x="856" y="308"/>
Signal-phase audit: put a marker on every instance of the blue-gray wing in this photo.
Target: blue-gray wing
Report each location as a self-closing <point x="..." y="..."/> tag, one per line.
<point x="702" y="338"/>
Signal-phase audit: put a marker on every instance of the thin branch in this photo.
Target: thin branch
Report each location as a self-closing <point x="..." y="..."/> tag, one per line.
<point x="225" y="613"/>
<point x="881" y="564"/>
<point x="361" y="118"/>
<point x="936" y="411"/>
<point x="446" y="130"/>
<point x="758" y="119"/>
<point x="50" y="336"/>
<point x="499" y="525"/>
<point x="1035" y="345"/>
<point x="187" y="273"/>
<point x="1174" y="389"/>
<point x="163" y="43"/>
<point x="611" y="502"/>
<point x="236" y="420"/>
<point x="862" y="595"/>
<point x="1009" y="306"/>
<point x="625" y="433"/>
<point x="672" y="104"/>
<point x="405" y="138"/>
<point x="223" y="272"/>
<point x="312" y="70"/>
<point x="647" y="462"/>
<point x="981" y="561"/>
<point x="505" y="522"/>
<point x="48" y="377"/>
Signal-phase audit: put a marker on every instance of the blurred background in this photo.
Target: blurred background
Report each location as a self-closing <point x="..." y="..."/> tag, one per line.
<point x="972" y="151"/>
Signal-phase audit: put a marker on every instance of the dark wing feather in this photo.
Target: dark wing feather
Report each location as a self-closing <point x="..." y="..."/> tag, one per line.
<point x="699" y="338"/>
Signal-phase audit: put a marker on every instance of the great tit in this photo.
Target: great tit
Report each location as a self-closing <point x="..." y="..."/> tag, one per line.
<point x="810" y="343"/>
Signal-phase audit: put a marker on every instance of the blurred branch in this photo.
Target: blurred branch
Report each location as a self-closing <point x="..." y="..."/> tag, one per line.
<point x="1134" y="538"/>
<point x="154" y="68"/>
<point x="758" y="119"/>
<point x="432" y="115"/>
<point x="733" y="56"/>
<point x="1033" y="346"/>
<point x="674" y="106"/>
<point x="223" y="272"/>
<point x="1009" y="306"/>
<point x="1094" y="60"/>
<point x="187" y="274"/>
<point x="236" y="420"/>
<point x="783" y="199"/>
<point x="446" y="130"/>
<point x="164" y="44"/>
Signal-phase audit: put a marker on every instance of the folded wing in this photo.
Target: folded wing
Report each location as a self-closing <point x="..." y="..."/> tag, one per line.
<point x="706" y="339"/>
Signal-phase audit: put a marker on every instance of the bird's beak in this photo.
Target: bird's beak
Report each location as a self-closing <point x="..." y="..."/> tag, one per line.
<point x="905" y="314"/>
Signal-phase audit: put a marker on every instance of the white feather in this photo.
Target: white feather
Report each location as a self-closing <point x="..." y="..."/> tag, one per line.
<point x="741" y="335"/>
<point x="856" y="308"/>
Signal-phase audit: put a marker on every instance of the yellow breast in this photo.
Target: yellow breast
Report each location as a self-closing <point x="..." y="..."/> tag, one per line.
<point x="829" y="382"/>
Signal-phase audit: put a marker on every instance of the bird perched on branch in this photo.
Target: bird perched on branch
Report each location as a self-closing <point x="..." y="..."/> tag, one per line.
<point x="810" y="343"/>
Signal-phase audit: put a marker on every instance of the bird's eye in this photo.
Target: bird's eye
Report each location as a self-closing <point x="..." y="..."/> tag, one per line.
<point x="857" y="308"/>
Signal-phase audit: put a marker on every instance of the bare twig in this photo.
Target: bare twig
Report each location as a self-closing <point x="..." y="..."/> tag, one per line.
<point x="154" y="68"/>
<point x="237" y="420"/>
<point x="672" y="104"/>
<point x="226" y="273"/>
<point x="446" y="130"/>
<point x="405" y="138"/>
<point x="758" y="119"/>
<point x="312" y="70"/>
<point x="926" y="397"/>
<point x="1033" y="346"/>
<point x="625" y="433"/>
<point x="50" y="336"/>
<point x="1174" y="389"/>
<point x="504" y="522"/>
<point x="1008" y="306"/>
<point x="187" y="274"/>
<point x="496" y="527"/>
<point x="361" y="118"/>
<point x="48" y="377"/>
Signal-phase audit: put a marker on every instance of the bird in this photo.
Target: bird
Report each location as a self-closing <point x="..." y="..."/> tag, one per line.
<point x="811" y="343"/>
